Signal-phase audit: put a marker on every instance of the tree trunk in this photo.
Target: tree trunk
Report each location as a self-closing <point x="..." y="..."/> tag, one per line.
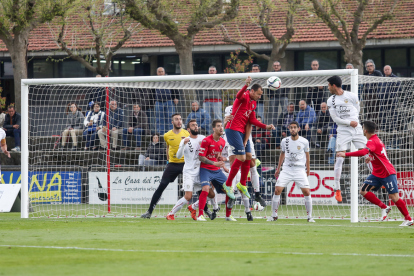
<point x="353" y="55"/>
<point x="274" y="56"/>
<point x="17" y="52"/>
<point x="185" y="52"/>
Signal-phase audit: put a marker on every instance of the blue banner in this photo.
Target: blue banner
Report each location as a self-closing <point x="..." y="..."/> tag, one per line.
<point x="49" y="187"/>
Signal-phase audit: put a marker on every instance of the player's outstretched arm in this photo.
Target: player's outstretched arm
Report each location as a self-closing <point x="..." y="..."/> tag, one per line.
<point x="358" y="153"/>
<point x="180" y="151"/>
<point x="241" y="92"/>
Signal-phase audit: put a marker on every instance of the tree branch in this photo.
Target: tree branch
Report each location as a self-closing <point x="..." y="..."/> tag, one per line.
<point x="341" y="19"/>
<point x="249" y="51"/>
<point x="357" y="21"/>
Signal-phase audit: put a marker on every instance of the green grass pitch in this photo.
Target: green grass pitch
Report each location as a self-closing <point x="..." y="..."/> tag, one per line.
<point x="133" y="246"/>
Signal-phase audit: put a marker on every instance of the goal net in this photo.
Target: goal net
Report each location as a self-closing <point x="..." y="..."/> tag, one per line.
<point x="71" y="167"/>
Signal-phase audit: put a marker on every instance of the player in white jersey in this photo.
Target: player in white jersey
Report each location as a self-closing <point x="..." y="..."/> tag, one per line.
<point x="344" y="110"/>
<point x="3" y="144"/>
<point x="254" y="175"/>
<point x="189" y="147"/>
<point x="296" y="168"/>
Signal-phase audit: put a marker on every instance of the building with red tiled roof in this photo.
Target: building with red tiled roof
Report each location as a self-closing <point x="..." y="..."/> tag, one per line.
<point x="390" y="44"/>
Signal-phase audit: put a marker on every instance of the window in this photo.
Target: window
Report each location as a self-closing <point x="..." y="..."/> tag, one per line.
<point x="202" y="63"/>
<point x="72" y="69"/>
<point x="375" y="55"/>
<point x="172" y="65"/>
<point x="128" y="66"/>
<point x="395" y="57"/>
<point x="43" y="69"/>
<point x="8" y="68"/>
<point x="327" y="60"/>
<point x="116" y="67"/>
<point x="412" y="57"/>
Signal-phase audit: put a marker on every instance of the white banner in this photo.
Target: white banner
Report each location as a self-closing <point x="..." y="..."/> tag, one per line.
<point x="8" y="194"/>
<point x="322" y="190"/>
<point x="129" y="188"/>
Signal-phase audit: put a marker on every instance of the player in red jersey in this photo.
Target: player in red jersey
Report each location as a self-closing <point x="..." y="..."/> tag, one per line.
<point x="209" y="155"/>
<point x="243" y="113"/>
<point x="383" y="174"/>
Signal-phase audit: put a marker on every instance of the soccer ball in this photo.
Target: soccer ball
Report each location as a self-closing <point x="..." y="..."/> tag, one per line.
<point x="258" y="207"/>
<point x="274" y="83"/>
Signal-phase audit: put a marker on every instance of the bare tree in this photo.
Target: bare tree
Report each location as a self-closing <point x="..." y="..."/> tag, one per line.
<point x="17" y="19"/>
<point x="265" y="9"/>
<point x="104" y="29"/>
<point x="181" y="21"/>
<point x="339" y="15"/>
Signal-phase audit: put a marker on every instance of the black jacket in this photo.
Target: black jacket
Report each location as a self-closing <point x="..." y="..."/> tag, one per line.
<point x="140" y="120"/>
<point x="16" y="120"/>
<point x="376" y="73"/>
<point x="323" y="121"/>
<point x="156" y="152"/>
<point x="283" y="116"/>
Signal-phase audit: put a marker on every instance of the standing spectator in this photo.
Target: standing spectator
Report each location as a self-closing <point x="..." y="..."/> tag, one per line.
<point x="277" y="97"/>
<point x="11" y="126"/>
<point x="347" y="87"/>
<point x="201" y="116"/>
<point x="388" y="102"/>
<point x="306" y="118"/>
<point x="137" y="126"/>
<point x="315" y="95"/>
<point x="74" y="125"/>
<point x="388" y="72"/>
<point x="165" y="101"/>
<point x="93" y="123"/>
<point x="370" y="92"/>
<point x="260" y="102"/>
<point x="155" y="154"/>
<point x="330" y="152"/>
<point x="283" y="122"/>
<point x="322" y="125"/>
<point x="212" y="99"/>
<point x="116" y="119"/>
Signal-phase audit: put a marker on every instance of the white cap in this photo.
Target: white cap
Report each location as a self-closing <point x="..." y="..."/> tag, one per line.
<point x="228" y="110"/>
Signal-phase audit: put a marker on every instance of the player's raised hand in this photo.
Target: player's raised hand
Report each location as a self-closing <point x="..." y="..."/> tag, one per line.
<point x="354" y="124"/>
<point x="186" y="140"/>
<point x="248" y="81"/>
<point x="340" y="154"/>
<point x="270" y="127"/>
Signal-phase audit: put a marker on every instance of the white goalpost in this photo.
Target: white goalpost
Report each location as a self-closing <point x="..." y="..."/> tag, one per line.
<point x="95" y="172"/>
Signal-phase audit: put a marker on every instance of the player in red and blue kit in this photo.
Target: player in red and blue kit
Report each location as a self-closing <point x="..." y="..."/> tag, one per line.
<point x="209" y="154"/>
<point x="242" y="114"/>
<point x="383" y="174"/>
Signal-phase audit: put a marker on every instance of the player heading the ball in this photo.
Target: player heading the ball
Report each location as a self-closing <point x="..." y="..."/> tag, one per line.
<point x="296" y="168"/>
<point x="243" y="112"/>
<point x="383" y="174"/>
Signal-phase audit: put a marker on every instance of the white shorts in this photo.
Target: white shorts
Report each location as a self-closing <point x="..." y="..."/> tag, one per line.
<point x="298" y="176"/>
<point x="191" y="183"/>
<point x="251" y="150"/>
<point x="349" y="134"/>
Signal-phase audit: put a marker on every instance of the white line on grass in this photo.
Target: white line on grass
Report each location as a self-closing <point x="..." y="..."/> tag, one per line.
<point x="205" y="251"/>
<point x="320" y="225"/>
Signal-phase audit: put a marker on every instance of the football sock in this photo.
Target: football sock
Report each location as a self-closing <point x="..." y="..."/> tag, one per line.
<point x="158" y="193"/>
<point x="254" y="177"/>
<point x="228" y="211"/>
<point x="233" y="171"/>
<point x="246" y="202"/>
<point x="403" y="209"/>
<point x="202" y="202"/>
<point x="275" y="204"/>
<point x="374" y="200"/>
<point x="338" y="172"/>
<point x="245" y="167"/>
<point x="195" y="205"/>
<point x="308" y="205"/>
<point x="180" y="203"/>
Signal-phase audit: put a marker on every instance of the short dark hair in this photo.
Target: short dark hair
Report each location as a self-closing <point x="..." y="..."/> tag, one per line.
<point x="189" y="122"/>
<point x="155" y="134"/>
<point x="294" y="123"/>
<point x="259" y="117"/>
<point x="215" y="122"/>
<point x="256" y="65"/>
<point x="335" y="80"/>
<point x="256" y="87"/>
<point x="11" y="107"/>
<point x="370" y="126"/>
<point x="175" y="114"/>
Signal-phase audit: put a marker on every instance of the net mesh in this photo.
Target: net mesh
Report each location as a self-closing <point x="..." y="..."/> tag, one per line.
<point x="68" y="160"/>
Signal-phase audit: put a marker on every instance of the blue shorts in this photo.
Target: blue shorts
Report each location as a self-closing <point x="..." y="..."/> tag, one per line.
<point x="390" y="183"/>
<point x="217" y="178"/>
<point x="235" y="139"/>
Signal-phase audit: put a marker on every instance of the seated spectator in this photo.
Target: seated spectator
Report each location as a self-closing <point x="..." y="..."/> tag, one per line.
<point x="93" y="123"/>
<point x="155" y="154"/>
<point x="116" y="119"/>
<point x="322" y="125"/>
<point x="11" y="126"/>
<point x="306" y="118"/>
<point x="260" y="138"/>
<point x="137" y="126"/>
<point x="283" y="122"/>
<point x="201" y="116"/>
<point x="330" y="153"/>
<point x="74" y="125"/>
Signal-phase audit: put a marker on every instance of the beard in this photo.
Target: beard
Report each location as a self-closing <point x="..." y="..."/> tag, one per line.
<point x="293" y="134"/>
<point x="194" y="132"/>
<point x="177" y="127"/>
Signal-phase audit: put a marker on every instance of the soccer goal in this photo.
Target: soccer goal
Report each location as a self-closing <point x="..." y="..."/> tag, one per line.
<point x="85" y="160"/>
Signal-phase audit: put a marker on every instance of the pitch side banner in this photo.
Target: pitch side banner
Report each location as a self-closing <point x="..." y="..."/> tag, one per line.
<point x="322" y="190"/>
<point x="129" y="188"/>
<point x="406" y="187"/>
